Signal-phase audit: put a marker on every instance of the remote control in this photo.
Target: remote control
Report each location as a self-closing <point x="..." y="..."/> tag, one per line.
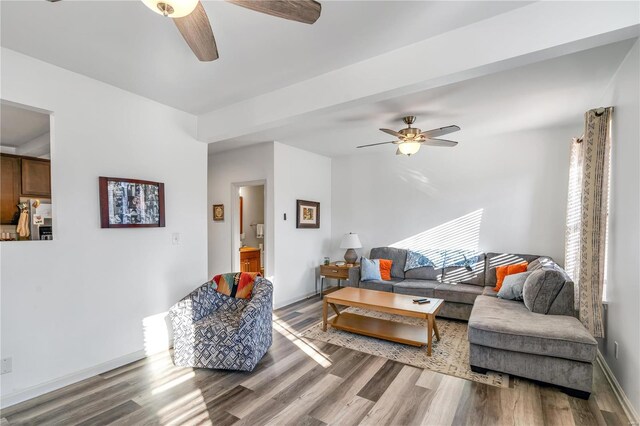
<point x="422" y="302"/>
<point x="418" y="300"/>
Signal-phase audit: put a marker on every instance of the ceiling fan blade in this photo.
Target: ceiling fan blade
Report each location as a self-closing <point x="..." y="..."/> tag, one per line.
<point x="196" y="30"/>
<point x="374" y="144"/>
<point x="305" y="11"/>
<point x="434" y="133"/>
<point x="439" y="142"/>
<point x="392" y="132"/>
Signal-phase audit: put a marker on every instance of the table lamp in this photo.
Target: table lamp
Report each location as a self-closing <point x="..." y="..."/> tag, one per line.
<point x="350" y="242"/>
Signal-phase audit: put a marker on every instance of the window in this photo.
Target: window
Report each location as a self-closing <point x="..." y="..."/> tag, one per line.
<point x="574" y="212"/>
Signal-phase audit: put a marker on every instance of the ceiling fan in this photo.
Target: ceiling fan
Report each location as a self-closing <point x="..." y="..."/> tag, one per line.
<point x="193" y="23"/>
<point x="410" y="139"/>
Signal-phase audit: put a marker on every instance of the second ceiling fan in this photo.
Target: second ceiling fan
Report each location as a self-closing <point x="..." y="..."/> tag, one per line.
<point x="193" y="23"/>
<point x="410" y="139"/>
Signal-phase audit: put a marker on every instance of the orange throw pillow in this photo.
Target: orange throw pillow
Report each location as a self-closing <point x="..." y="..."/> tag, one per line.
<point x="503" y="271"/>
<point x="517" y="268"/>
<point x="385" y="269"/>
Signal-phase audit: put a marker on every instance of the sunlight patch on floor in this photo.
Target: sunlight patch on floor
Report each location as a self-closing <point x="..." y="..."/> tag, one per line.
<point x="308" y="348"/>
<point x="160" y="378"/>
<point x="185" y="409"/>
<point x="195" y="416"/>
<point x="159" y="362"/>
<point x="175" y="382"/>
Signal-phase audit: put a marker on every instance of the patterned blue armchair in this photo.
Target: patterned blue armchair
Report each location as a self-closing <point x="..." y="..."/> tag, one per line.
<point x="211" y="330"/>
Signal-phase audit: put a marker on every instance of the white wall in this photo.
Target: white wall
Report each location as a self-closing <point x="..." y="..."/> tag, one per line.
<point x="253" y="213"/>
<point x="75" y="306"/>
<point x="623" y="281"/>
<point x="299" y="175"/>
<point x="518" y="181"/>
<point x="251" y="164"/>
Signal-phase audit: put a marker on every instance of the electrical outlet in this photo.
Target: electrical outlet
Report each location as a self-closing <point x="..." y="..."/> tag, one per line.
<point x="6" y="366"/>
<point x="615" y="346"/>
<point x="175" y="238"/>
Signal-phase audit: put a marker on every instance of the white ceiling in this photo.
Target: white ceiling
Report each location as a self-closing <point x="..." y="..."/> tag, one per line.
<point x="125" y="44"/>
<point x="552" y="93"/>
<point x="19" y="125"/>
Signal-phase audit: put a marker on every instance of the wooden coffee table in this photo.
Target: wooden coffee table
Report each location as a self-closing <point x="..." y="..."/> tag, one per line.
<point x="382" y="301"/>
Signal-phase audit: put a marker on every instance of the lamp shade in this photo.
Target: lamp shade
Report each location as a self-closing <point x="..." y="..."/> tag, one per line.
<point x="350" y="241"/>
<point x="409" y="148"/>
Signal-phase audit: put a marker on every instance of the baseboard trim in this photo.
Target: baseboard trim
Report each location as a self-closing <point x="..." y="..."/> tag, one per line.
<point x="37" y="390"/>
<point x="294" y="300"/>
<point x="630" y="412"/>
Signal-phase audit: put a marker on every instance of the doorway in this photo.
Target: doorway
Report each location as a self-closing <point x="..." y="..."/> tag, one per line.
<point x="249" y="233"/>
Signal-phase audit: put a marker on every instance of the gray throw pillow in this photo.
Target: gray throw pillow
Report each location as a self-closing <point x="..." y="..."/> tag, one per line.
<point x="541" y="288"/>
<point x="369" y="269"/>
<point x="513" y="285"/>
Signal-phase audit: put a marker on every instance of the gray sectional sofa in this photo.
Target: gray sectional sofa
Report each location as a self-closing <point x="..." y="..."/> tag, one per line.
<point x="538" y="338"/>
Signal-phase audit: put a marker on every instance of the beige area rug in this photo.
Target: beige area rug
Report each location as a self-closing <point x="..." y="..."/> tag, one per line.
<point x="449" y="356"/>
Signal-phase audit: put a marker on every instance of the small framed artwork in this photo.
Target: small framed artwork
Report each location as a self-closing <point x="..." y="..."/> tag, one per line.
<point x="307" y="214"/>
<point x="218" y="212"/>
<point x="131" y="203"/>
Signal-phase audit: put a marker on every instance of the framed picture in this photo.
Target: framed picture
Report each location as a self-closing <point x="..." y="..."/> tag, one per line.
<point x="218" y="212"/>
<point x="307" y="214"/>
<point x="131" y="203"/>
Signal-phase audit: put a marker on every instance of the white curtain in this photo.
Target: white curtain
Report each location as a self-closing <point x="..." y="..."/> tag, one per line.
<point x="587" y="215"/>
<point x="574" y="215"/>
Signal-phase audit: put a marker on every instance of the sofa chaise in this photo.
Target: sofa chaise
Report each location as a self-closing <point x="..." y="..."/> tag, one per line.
<point x="538" y="338"/>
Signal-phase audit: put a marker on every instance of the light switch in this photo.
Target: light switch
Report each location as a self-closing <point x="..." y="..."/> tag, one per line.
<point x="6" y="366"/>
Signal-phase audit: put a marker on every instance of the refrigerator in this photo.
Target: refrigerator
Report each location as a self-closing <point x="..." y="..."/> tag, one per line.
<point x="40" y="219"/>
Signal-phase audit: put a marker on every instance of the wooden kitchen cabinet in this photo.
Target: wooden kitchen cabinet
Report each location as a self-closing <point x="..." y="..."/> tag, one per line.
<point x="249" y="259"/>
<point x="22" y="177"/>
<point x="9" y="188"/>
<point x="36" y="177"/>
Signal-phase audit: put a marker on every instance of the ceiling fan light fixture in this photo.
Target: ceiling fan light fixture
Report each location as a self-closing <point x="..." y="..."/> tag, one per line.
<point x="410" y="138"/>
<point x="172" y="8"/>
<point x="409" y="148"/>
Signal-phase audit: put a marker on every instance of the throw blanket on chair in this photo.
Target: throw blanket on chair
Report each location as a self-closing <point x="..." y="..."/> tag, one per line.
<point x="213" y="330"/>
<point x="236" y="284"/>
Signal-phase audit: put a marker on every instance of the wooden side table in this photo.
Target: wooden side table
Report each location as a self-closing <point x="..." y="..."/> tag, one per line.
<point x="336" y="272"/>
